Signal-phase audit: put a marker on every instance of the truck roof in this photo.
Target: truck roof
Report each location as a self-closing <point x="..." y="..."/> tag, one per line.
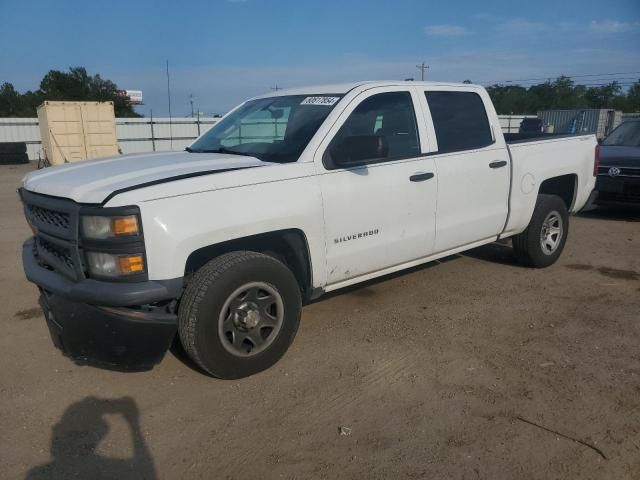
<point x="343" y="88"/>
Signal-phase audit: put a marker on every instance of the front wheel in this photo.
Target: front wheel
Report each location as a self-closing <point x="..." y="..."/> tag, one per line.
<point x="239" y="314"/>
<point x="541" y="244"/>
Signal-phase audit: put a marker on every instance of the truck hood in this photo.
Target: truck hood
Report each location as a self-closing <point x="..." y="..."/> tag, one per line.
<point x="611" y="156"/>
<point x="94" y="180"/>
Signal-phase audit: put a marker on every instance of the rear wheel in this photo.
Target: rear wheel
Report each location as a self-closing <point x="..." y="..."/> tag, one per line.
<point x="239" y="314"/>
<point x="541" y="244"/>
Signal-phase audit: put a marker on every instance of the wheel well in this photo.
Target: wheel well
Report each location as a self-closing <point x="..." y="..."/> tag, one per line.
<point x="288" y="246"/>
<point x="563" y="186"/>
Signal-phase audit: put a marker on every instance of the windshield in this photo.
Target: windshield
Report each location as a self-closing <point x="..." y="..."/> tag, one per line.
<point x="274" y="129"/>
<point x="626" y="135"/>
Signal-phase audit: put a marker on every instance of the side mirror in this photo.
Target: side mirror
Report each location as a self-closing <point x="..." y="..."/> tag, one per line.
<point x="358" y="150"/>
<point x="276" y="114"/>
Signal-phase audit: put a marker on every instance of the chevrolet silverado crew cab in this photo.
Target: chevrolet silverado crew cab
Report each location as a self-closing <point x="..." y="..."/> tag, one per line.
<point x="288" y="196"/>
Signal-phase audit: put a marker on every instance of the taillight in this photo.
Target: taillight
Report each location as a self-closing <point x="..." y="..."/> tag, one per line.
<point x="596" y="160"/>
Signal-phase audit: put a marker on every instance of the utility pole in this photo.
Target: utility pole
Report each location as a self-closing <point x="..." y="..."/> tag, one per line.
<point x="276" y="88"/>
<point x="422" y="67"/>
<point x="191" y="102"/>
<point x="169" y="100"/>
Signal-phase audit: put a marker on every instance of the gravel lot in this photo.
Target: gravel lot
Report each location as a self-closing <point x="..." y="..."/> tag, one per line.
<point x="469" y="368"/>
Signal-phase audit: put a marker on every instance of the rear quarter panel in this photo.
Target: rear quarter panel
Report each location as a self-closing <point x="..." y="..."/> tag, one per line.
<point x="537" y="161"/>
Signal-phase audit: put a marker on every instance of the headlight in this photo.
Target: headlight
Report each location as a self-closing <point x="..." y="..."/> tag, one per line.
<point x="102" y="227"/>
<point x="114" y="265"/>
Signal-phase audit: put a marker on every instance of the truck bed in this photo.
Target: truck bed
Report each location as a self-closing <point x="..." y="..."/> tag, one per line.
<point x="534" y="159"/>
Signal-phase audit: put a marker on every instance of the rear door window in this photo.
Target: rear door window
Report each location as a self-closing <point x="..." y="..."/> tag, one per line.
<point x="460" y="121"/>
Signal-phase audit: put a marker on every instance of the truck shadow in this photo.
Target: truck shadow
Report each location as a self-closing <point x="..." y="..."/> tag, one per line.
<point x="497" y="252"/>
<point x="361" y="288"/>
<point x="75" y="438"/>
<point x="622" y="214"/>
<point x="178" y="351"/>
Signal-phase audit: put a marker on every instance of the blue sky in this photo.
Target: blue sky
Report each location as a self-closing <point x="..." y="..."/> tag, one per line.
<point x="223" y="51"/>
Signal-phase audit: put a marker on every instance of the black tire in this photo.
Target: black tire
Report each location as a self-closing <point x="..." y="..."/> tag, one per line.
<point x="200" y="313"/>
<point x="13" y="147"/>
<point x="13" y="158"/>
<point x="528" y="245"/>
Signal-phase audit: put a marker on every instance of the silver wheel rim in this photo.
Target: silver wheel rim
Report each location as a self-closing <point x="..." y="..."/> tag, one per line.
<point x="250" y="319"/>
<point x="551" y="233"/>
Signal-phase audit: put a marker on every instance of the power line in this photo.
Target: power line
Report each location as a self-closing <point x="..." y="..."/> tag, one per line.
<point x="600" y="84"/>
<point x="548" y="77"/>
<point x="589" y="80"/>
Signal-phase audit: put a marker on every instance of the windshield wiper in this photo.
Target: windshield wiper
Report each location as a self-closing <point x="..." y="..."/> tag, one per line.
<point x="227" y="151"/>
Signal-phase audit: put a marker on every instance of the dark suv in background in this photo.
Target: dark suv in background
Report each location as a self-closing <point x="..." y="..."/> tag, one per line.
<point x="618" y="181"/>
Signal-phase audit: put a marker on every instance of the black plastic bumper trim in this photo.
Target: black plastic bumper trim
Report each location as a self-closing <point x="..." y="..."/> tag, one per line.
<point x="94" y="292"/>
<point x="113" y="338"/>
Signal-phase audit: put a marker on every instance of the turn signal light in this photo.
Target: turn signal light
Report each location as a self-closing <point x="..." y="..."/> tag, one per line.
<point x="131" y="264"/>
<point x="125" y="225"/>
<point x="102" y="264"/>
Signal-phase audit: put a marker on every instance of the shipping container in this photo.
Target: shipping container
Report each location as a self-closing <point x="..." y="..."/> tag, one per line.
<point x="75" y="131"/>
<point x="599" y="121"/>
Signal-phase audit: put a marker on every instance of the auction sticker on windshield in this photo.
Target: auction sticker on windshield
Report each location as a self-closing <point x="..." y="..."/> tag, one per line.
<point x="320" y="101"/>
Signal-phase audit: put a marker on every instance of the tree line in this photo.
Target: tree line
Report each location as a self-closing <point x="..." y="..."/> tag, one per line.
<point x="563" y="93"/>
<point x="76" y="84"/>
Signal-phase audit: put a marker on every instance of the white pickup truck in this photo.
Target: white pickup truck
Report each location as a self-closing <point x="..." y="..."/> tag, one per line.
<point x="290" y="195"/>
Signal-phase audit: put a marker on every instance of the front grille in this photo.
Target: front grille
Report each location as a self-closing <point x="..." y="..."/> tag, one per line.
<point x="55" y="225"/>
<point x="49" y="217"/>
<point x="60" y="254"/>
<point x="624" y="171"/>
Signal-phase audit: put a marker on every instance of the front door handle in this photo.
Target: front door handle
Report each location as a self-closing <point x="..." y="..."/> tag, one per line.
<point x="498" y="164"/>
<point x="420" y="177"/>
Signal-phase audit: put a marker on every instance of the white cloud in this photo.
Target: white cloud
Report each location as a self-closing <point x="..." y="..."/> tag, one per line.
<point x="613" y="26"/>
<point x="445" y="30"/>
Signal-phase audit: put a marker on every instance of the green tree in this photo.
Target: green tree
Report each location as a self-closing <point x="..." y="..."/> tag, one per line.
<point x="633" y="98"/>
<point x="509" y="99"/>
<point x="77" y="84"/>
<point x="603" y="96"/>
<point x="74" y="85"/>
<point x="563" y="93"/>
<point x="10" y="101"/>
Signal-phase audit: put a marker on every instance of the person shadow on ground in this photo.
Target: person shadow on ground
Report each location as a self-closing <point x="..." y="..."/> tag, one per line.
<point x="76" y="436"/>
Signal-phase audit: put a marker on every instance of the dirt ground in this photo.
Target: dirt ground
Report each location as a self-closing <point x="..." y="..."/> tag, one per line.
<point x="470" y="368"/>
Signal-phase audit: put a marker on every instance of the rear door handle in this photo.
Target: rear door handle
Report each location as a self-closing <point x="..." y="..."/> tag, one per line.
<point x="498" y="164"/>
<point x="420" y="177"/>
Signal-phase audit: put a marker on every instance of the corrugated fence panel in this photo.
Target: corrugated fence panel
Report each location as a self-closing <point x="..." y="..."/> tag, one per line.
<point x="511" y="123"/>
<point x="135" y="134"/>
<point x="22" y="130"/>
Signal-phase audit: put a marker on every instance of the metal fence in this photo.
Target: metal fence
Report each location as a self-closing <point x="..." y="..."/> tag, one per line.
<point x="135" y="135"/>
<point x="138" y="135"/>
<point x="511" y="123"/>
